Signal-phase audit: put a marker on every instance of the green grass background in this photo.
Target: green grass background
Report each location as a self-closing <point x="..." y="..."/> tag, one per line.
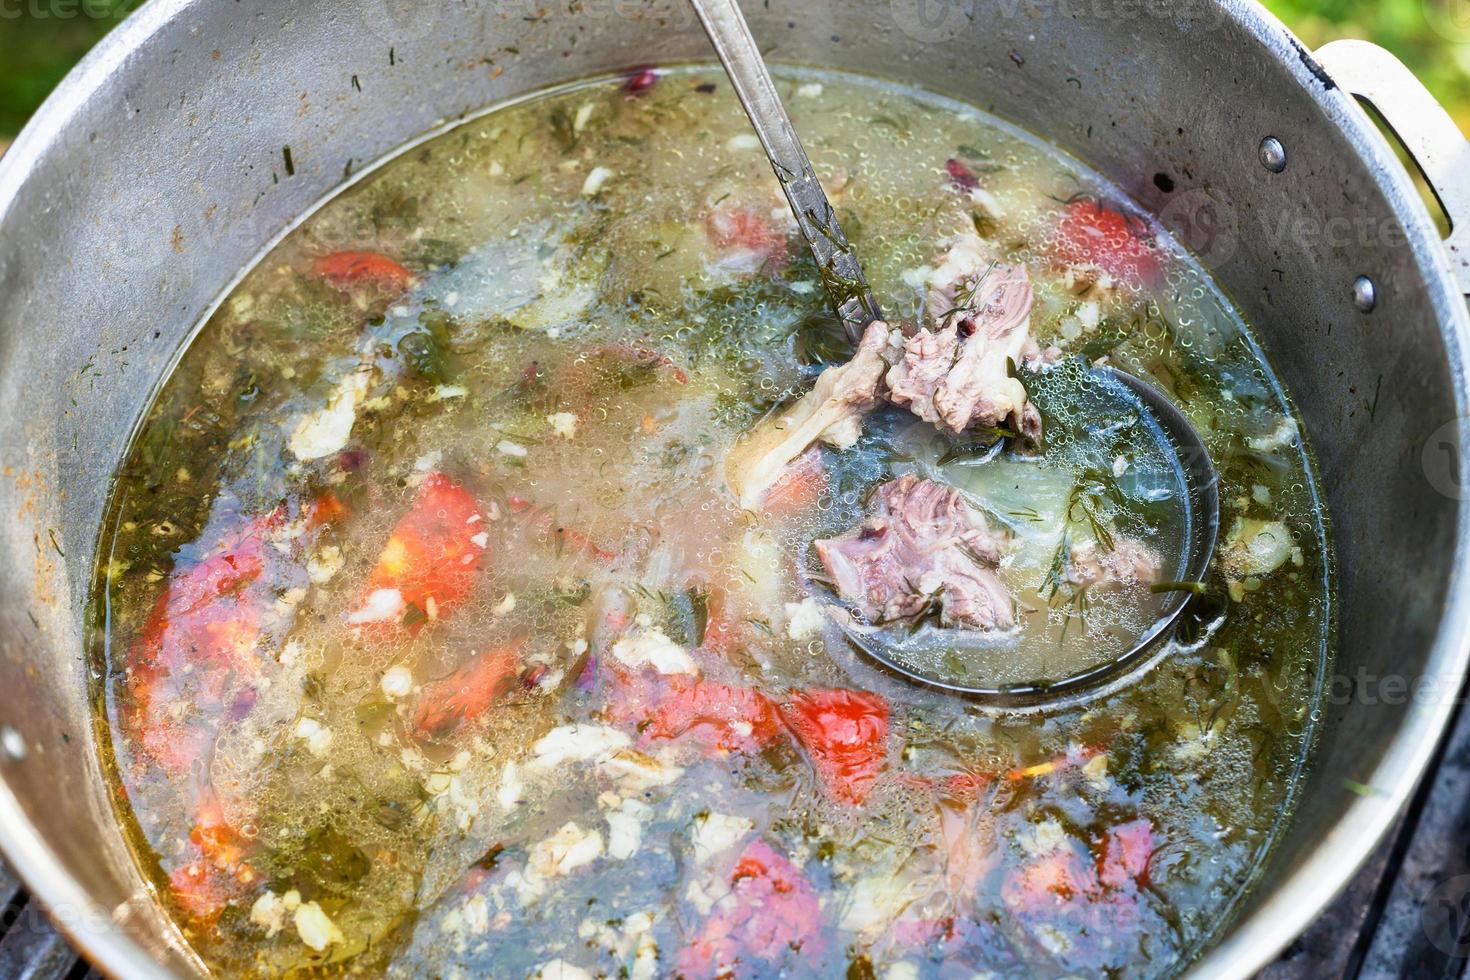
<point x="41" y="39"/>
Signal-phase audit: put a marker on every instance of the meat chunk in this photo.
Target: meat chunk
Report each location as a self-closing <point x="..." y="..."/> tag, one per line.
<point x="766" y="922"/>
<point x="1128" y="562"/>
<point x="956" y="372"/>
<point x="832" y="412"/>
<point x="922" y="545"/>
<point x="1082" y="902"/>
<point x="747" y="240"/>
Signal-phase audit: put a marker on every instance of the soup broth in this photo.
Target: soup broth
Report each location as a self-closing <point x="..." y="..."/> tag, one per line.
<point x="435" y="642"/>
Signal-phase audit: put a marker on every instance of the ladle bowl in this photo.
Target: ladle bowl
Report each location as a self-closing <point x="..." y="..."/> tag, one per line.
<point x="1199" y="528"/>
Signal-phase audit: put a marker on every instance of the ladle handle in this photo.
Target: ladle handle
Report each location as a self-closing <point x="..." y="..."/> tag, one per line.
<point x="1425" y="129"/>
<point x="842" y="275"/>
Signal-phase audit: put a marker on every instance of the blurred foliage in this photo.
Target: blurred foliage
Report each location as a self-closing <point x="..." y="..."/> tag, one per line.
<point x="1432" y="37"/>
<point x="41" y="39"/>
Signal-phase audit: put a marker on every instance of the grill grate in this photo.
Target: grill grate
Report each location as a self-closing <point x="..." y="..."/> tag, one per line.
<point x="31" y="948"/>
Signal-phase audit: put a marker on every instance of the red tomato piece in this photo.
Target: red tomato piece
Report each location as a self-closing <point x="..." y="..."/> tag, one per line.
<point x="1091" y="234"/>
<point x="640" y="81"/>
<point x="960" y="175"/>
<point x="195" y="661"/>
<point x="219" y="874"/>
<point x="845" y="734"/>
<point x="219" y="842"/>
<point x="719" y="717"/>
<point x="467" y="693"/>
<point x="770" y="919"/>
<point x="428" y="565"/>
<point x="347" y="269"/>
<point x="196" y="652"/>
<point x="1126" y="851"/>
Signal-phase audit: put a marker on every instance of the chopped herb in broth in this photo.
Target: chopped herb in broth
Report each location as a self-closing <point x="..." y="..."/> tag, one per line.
<point x="437" y="642"/>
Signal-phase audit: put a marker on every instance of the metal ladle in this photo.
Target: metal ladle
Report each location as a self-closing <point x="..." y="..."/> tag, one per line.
<point x="853" y="300"/>
<point x="841" y="273"/>
<point x="1199" y="507"/>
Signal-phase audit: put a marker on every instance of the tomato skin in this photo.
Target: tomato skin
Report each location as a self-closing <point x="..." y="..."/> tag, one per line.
<point x="718" y="717"/>
<point x="1126" y="852"/>
<point x="771" y="918"/>
<point x="640" y="81"/>
<point x="347" y="269"/>
<point x="845" y="734"/>
<point x="430" y="560"/>
<point x="961" y="176"/>
<point x="1090" y="233"/>
<point x="219" y="873"/>
<point x="465" y="695"/>
<point x="197" y="649"/>
<point x="799" y="487"/>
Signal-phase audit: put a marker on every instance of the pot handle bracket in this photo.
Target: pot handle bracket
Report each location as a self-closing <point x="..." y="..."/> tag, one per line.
<point x="1423" y="127"/>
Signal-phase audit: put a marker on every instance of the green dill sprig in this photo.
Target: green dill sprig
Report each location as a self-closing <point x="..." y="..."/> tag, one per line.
<point x="964" y="295"/>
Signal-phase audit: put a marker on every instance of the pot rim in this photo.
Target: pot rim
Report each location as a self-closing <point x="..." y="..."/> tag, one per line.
<point x="1250" y="942"/>
<point x="1254" y="940"/>
<point x="90" y="927"/>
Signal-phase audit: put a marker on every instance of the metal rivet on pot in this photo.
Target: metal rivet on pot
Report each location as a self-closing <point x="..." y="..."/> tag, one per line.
<point x="1273" y="155"/>
<point x="12" y="743"/>
<point x="1365" y="294"/>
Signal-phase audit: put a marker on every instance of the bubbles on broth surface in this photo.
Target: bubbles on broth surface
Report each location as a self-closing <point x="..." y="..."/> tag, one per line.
<point x="579" y="359"/>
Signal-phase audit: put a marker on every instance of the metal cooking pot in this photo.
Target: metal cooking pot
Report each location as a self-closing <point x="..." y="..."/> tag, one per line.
<point x="200" y="130"/>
